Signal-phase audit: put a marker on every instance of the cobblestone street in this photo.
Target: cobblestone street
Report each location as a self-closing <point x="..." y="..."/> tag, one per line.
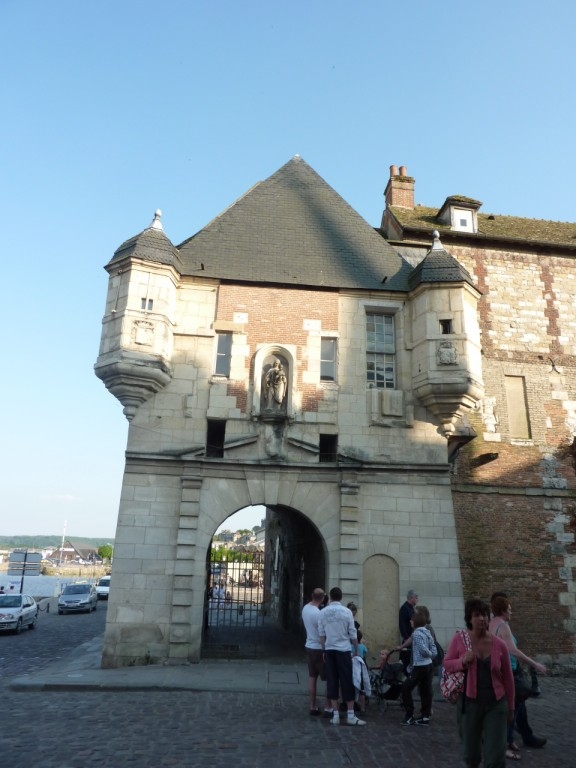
<point x="158" y="728"/>
<point x="149" y="729"/>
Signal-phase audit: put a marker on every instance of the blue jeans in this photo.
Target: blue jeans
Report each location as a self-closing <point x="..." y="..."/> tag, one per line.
<point x="520" y="724"/>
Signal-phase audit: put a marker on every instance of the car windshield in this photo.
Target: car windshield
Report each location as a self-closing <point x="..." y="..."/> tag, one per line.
<point x="105" y="582"/>
<point x="76" y="589"/>
<point x="10" y="601"/>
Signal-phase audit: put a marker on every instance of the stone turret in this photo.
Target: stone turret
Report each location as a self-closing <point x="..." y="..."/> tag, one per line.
<point x="446" y="367"/>
<point x="137" y="329"/>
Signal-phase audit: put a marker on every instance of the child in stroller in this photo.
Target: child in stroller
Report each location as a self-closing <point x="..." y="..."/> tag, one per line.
<point x="386" y="679"/>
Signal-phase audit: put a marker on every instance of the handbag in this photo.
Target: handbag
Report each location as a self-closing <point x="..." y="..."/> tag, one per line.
<point x="439" y="658"/>
<point x="522" y="690"/>
<point x="452" y="684"/>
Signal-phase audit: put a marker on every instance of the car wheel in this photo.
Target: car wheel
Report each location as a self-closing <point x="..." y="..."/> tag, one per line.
<point x="60" y="612"/>
<point x="32" y="624"/>
<point x="18" y="627"/>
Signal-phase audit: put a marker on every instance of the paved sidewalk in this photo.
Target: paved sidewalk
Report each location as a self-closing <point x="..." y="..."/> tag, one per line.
<point x="82" y="671"/>
<point x="241" y="713"/>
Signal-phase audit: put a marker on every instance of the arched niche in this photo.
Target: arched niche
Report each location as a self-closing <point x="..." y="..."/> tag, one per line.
<point x="274" y="372"/>
<point x="381" y="602"/>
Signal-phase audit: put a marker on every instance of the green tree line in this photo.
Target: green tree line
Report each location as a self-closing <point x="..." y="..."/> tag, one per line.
<point x="46" y="542"/>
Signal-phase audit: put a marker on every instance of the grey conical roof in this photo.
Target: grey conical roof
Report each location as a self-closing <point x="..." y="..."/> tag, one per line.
<point x="150" y="245"/>
<point x="439" y="266"/>
<point x="294" y="229"/>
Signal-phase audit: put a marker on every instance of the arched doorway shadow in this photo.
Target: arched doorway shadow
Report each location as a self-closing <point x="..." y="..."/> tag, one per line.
<point x="254" y="598"/>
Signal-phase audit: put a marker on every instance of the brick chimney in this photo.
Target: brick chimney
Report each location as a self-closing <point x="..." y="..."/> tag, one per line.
<point x="400" y="188"/>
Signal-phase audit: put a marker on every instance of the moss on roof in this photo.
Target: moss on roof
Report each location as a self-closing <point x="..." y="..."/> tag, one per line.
<point x="493" y="226"/>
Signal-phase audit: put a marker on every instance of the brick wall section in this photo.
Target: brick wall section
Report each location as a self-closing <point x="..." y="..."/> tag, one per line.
<point x="498" y="538"/>
<point x="238" y="390"/>
<point x="551" y="311"/>
<point x="514" y="514"/>
<point x="277" y="315"/>
<point x="527" y="305"/>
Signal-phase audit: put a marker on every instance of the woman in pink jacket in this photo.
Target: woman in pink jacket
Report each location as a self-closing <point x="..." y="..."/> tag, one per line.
<point x="487" y="705"/>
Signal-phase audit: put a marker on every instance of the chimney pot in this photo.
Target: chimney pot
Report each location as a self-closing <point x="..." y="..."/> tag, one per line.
<point x="400" y="188"/>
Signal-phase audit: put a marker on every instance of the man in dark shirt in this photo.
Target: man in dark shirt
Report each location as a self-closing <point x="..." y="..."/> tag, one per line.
<point x="405" y="625"/>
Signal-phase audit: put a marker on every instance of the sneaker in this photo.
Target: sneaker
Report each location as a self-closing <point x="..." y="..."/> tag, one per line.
<point x="335" y="719"/>
<point x="423" y="721"/>
<point x="328" y="713"/>
<point x="355" y="721"/>
<point x="408" y="720"/>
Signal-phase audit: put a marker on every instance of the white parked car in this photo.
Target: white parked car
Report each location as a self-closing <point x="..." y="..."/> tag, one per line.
<point x="17" y="611"/>
<point x="103" y="588"/>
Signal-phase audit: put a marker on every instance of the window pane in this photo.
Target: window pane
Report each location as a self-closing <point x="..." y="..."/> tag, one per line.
<point x="380" y="349"/>
<point x="223" y="354"/>
<point x="328" y="360"/>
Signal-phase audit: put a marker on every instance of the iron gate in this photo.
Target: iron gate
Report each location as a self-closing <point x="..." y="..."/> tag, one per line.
<point x="236" y="607"/>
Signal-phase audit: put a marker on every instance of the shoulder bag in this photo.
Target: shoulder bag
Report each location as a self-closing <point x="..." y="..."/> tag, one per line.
<point x="452" y="684"/>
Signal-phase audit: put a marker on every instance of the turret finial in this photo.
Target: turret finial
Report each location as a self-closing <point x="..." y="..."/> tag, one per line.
<point x="157" y="223"/>
<point x="437" y="245"/>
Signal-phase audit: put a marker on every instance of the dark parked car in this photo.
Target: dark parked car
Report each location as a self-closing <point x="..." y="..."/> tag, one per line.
<point x="78" y="597"/>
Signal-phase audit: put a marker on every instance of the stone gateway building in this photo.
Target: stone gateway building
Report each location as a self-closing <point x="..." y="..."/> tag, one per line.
<point x="401" y="400"/>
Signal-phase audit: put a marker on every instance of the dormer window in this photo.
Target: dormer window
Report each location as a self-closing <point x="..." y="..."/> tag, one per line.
<point x="462" y="221"/>
<point x="460" y="213"/>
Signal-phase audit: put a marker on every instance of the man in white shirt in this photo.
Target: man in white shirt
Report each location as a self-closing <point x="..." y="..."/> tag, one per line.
<point x="337" y="632"/>
<point x="314" y="653"/>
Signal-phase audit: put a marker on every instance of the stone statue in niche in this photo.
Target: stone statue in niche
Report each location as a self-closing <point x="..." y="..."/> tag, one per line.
<point x="274" y="387"/>
<point x="446" y="353"/>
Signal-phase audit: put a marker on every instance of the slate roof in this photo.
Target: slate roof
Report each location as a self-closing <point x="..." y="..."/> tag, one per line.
<point x="150" y="245"/>
<point x="294" y="229"/>
<point x="439" y="266"/>
<point x="492" y="226"/>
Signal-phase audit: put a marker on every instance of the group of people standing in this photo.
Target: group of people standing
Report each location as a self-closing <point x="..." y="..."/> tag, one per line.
<point x="492" y="705"/>
<point x="331" y="645"/>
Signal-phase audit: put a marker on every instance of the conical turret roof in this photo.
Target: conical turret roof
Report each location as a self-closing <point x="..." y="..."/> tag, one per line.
<point x="150" y="245"/>
<point x="439" y="266"/>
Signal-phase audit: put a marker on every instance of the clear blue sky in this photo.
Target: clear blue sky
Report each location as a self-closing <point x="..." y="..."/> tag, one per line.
<point x="113" y="109"/>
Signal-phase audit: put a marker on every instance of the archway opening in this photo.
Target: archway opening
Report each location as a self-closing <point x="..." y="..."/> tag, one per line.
<point x="258" y="578"/>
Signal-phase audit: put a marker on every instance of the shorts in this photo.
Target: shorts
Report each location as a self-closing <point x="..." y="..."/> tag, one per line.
<point x="316" y="667"/>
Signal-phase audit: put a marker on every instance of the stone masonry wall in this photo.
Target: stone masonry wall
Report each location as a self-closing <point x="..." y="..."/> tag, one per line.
<point x="514" y="499"/>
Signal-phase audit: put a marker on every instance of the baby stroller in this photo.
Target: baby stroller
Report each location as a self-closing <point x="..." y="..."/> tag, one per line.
<point x="386" y="682"/>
